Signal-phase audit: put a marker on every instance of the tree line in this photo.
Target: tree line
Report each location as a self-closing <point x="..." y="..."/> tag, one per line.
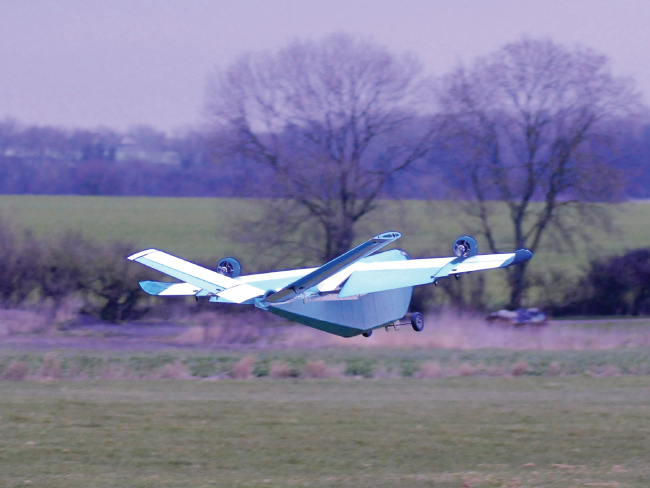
<point x="50" y="273"/>
<point x="536" y="125"/>
<point x="79" y="276"/>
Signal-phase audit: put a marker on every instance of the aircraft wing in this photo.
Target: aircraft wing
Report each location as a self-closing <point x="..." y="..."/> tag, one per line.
<point x="201" y="278"/>
<point x="333" y="267"/>
<point x="381" y="276"/>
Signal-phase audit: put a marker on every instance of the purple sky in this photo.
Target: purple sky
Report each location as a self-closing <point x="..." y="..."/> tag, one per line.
<point x="118" y="63"/>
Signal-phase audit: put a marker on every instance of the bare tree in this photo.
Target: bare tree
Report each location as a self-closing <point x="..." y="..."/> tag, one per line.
<point x="526" y="122"/>
<point x="330" y="121"/>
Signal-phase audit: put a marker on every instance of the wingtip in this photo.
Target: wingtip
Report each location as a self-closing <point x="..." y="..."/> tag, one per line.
<point x="137" y="255"/>
<point x="391" y="235"/>
<point x="522" y="255"/>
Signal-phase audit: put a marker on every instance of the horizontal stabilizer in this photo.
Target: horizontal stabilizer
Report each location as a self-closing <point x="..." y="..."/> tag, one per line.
<point x="198" y="276"/>
<point x="160" y="288"/>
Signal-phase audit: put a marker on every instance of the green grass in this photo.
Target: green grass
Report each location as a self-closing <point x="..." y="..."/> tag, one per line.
<point x="188" y="226"/>
<point x="204" y="229"/>
<point x="478" y="432"/>
<point x="368" y="363"/>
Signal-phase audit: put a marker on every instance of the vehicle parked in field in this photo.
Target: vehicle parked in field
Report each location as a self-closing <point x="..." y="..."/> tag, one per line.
<point x="521" y="316"/>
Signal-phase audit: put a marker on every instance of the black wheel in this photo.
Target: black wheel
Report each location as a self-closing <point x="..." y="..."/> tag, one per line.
<point x="366" y="334"/>
<point x="417" y="321"/>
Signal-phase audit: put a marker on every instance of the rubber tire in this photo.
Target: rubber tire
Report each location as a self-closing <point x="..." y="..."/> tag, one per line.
<point x="417" y="321"/>
<point x="366" y="334"/>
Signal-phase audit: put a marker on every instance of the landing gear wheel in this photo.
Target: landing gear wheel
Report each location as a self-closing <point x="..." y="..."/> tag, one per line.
<point x="417" y="321"/>
<point x="366" y="334"/>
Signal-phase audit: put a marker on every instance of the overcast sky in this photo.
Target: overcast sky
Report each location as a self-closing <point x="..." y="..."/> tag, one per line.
<point x="119" y="63"/>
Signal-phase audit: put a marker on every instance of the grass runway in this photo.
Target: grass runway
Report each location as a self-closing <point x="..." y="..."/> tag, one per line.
<point x="448" y="432"/>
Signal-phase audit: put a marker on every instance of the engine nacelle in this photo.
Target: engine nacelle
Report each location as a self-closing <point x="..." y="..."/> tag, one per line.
<point x="229" y="267"/>
<point x="465" y="246"/>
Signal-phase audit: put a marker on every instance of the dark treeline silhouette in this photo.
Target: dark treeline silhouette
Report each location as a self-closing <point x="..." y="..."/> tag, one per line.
<point x="618" y="285"/>
<point x="141" y="162"/>
<point x="72" y="272"/>
<point x="146" y="162"/>
<point x="54" y="161"/>
<point x="69" y="267"/>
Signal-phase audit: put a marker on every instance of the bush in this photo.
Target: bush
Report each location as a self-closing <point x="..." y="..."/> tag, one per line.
<point x="15" y="371"/>
<point x="359" y="367"/>
<point x="243" y="369"/>
<point x="51" y="367"/>
<point x="429" y="370"/>
<point x="20" y="255"/>
<point x="281" y="370"/>
<point x="69" y="266"/>
<point x="520" y="368"/>
<point x="466" y="369"/>
<point x="316" y="369"/>
<point x="174" y="371"/>
<point x="613" y="286"/>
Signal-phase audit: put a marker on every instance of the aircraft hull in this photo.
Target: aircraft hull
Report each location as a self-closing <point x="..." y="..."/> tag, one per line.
<point x="351" y="316"/>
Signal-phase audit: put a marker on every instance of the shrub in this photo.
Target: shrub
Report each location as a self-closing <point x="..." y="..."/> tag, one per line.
<point x="554" y="368"/>
<point x="51" y="367"/>
<point x="68" y="266"/>
<point x="360" y="367"/>
<point x="19" y="269"/>
<point x="243" y="369"/>
<point x="466" y="369"/>
<point x="519" y="368"/>
<point x="617" y="285"/>
<point x="610" y="370"/>
<point x="113" y="281"/>
<point x="174" y="371"/>
<point x="191" y="336"/>
<point x="429" y="370"/>
<point x="280" y="370"/>
<point x="316" y="369"/>
<point x="15" y="371"/>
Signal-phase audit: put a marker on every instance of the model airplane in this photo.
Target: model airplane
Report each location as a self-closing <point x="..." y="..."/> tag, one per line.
<point x="353" y="294"/>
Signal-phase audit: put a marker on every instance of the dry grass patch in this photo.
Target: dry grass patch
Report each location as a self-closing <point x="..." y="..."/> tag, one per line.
<point x="51" y="367"/>
<point x="609" y="370"/>
<point x="554" y="369"/>
<point x="174" y="371"/>
<point x="429" y="370"/>
<point x="315" y="369"/>
<point x="519" y="368"/>
<point x="243" y="369"/>
<point x="466" y="369"/>
<point x="280" y="369"/>
<point x="192" y="336"/>
<point x="21" y="322"/>
<point x="15" y="371"/>
<point x="320" y="369"/>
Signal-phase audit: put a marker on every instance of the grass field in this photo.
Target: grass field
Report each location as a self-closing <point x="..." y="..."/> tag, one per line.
<point x="453" y="432"/>
<point x="377" y="363"/>
<point x="203" y="229"/>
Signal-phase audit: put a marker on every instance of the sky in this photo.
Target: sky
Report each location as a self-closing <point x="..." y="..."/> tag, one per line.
<point x="121" y="63"/>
